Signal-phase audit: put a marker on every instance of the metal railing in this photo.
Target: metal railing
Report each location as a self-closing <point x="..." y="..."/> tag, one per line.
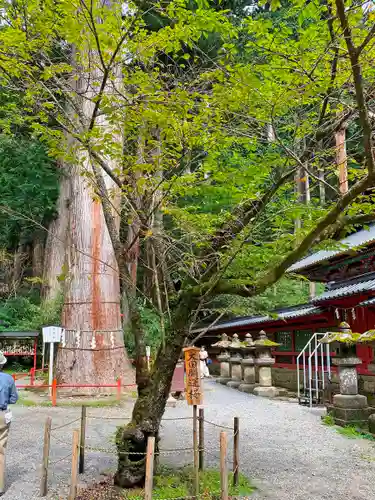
<point x="320" y="353"/>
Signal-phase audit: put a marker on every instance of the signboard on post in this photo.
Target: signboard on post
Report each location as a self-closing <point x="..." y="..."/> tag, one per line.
<point x="194" y="395"/>
<point x="51" y="334"/>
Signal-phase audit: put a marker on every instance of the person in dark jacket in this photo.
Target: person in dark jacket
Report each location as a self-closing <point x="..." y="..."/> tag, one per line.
<point x="8" y="396"/>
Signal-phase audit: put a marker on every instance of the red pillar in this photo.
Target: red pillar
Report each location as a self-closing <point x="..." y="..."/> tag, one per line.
<point x="35" y="349"/>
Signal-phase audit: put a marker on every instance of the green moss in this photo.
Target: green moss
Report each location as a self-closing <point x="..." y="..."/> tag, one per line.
<point x="270" y="343"/>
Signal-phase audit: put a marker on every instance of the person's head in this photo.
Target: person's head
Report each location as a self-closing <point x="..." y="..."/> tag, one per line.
<point x="3" y="360"/>
<point x="203" y="348"/>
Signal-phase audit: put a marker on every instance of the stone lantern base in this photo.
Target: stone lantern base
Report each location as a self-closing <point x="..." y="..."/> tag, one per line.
<point x="266" y="392"/>
<point x="350" y="409"/>
<point x="234" y="384"/>
<point x="223" y="380"/>
<point x="249" y="388"/>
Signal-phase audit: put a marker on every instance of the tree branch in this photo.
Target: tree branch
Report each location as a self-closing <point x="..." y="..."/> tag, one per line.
<point x="358" y="82"/>
<point x="272" y="276"/>
<point x="366" y="41"/>
<point x="243" y="214"/>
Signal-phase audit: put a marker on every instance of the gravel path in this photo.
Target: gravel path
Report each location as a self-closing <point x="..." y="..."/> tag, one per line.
<point x="285" y="449"/>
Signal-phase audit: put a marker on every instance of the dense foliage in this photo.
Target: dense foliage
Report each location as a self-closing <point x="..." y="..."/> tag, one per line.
<point x="28" y="189"/>
<point x="206" y="133"/>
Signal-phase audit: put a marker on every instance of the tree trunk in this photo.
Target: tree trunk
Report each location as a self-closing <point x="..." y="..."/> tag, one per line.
<point x="94" y="352"/>
<point x="37" y="257"/>
<point x="150" y="405"/>
<point x="19" y="259"/>
<point x="55" y="265"/>
<point x="341" y="160"/>
<point x="92" y="301"/>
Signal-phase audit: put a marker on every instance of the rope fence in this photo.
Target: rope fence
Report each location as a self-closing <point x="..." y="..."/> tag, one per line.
<point x="197" y="450"/>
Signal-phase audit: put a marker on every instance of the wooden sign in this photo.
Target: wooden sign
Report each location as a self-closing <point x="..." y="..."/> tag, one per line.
<point x="194" y="394"/>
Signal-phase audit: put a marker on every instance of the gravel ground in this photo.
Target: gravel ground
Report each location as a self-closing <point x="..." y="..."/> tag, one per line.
<point x="285" y="449"/>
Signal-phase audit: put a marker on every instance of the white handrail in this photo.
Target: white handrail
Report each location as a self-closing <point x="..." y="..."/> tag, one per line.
<point x="313" y="352"/>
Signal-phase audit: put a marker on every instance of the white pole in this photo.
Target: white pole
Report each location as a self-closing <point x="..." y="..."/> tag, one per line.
<point x="44" y="349"/>
<point x="50" y="376"/>
<point x="328" y="360"/>
<point x="316" y="368"/>
<point x="298" y="381"/>
<point x="310" y="375"/>
<point x="322" y="363"/>
<point x="148" y="353"/>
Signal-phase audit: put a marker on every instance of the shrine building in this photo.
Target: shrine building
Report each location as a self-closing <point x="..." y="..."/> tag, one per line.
<point x="348" y="273"/>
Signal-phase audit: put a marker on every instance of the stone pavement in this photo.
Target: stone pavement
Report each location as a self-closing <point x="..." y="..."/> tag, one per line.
<point x="285" y="449"/>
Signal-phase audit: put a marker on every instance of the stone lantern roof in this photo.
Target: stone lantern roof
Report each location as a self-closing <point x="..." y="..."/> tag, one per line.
<point x="236" y="344"/>
<point x="263" y="341"/>
<point x="248" y="342"/>
<point x="343" y="336"/>
<point x="224" y="343"/>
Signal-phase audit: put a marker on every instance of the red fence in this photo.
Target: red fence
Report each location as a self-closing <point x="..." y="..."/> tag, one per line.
<point x="55" y="386"/>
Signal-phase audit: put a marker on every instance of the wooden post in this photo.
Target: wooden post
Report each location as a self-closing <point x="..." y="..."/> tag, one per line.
<point x="74" y="471"/>
<point x="236" y="450"/>
<point x="150" y="458"/>
<point x="223" y="466"/>
<point x="196" y="451"/>
<point x="118" y="389"/>
<point x="45" y="460"/>
<point x="54" y="392"/>
<point x="201" y="439"/>
<point x="82" y="441"/>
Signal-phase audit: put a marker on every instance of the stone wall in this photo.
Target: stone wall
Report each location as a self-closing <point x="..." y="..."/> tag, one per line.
<point x="366" y="386"/>
<point x="283" y="377"/>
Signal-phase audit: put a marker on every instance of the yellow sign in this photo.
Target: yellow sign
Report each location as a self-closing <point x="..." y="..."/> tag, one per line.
<point x="194" y="394"/>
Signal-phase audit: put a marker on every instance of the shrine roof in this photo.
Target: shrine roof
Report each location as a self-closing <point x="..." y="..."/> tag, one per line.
<point x="361" y="238"/>
<point x="347" y="288"/>
<point x="18" y="335"/>
<point x="279" y="314"/>
<point x="368" y="302"/>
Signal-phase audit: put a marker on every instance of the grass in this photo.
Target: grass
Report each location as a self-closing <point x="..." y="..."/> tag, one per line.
<point x="23" y="401"/>
<point x="328" y="420"/>
<point x="177" y="483"/>
<point x="349" y="431"/>
<point x="352" y="432"/>
<point x="112" y="401"/>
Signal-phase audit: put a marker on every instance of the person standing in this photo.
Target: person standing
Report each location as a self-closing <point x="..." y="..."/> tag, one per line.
<point x="203" y="356"/>
<point x="8" y="396"/>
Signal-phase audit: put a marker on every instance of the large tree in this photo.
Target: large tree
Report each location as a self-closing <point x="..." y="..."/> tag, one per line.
<point x="207" y="201"/>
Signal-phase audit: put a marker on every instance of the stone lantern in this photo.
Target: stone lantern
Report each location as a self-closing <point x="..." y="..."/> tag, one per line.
<point x="368" y="338"/>
<point x="264" y="361"/>
<point x="224" y="358"/>
<point x="248" y="365"/>
<point x="349" y="407"/>
<point x="235" y="349"/>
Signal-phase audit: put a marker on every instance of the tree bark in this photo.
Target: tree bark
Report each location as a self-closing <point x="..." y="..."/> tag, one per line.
<point x="341" y="160"/>
<point x="56" y="245"/>
<point x="94" y="352"/>
<point x="37" y="257"/>
<point x="92" y="300"/>
<point x="20" y="256"/>
<point x="150" y="405"/>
